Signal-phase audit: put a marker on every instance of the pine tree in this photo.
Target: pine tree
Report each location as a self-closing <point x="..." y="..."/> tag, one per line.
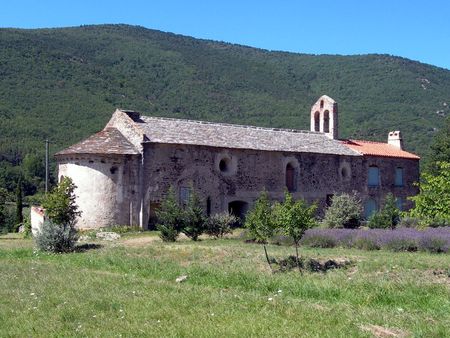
<point x="169" y="217"/>
<point x="194" y="219"/>
<point x="19" y="203"/>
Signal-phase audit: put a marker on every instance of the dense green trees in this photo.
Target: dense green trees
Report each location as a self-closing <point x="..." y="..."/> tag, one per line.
<point x="63" y="84"/>
<point x="440" y="148"/>
<point x="432" y="204"/>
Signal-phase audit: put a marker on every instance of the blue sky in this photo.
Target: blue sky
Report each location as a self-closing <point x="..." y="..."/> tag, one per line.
<point x="419" y="30"/>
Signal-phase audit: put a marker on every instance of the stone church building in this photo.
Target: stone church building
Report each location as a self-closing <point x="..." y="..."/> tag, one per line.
<point x="124" y="171"/>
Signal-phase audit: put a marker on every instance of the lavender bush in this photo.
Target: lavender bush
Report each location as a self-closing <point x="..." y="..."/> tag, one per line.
<point x="402" y="239"/>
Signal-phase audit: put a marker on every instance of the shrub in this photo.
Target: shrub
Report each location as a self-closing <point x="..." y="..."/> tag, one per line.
<point x="438" y="222"/>
<point x="434" y="240"/>
<point x="55" y="237"/>
<point x="409" y="222"/>
<point x="401" y="244"/>
<point x="170" y="218"/>
<point x="344" y="212"/>
<point x="390" y="210"/>
<point x="434" y="244"/>
<point x="319" y="241"/>
<point x="387" y="217"/>
<point x="220" y="224"/>
<point x="379" y="220"/>
<point x="27" y="227"/>
<point x="365" y="243"/>
<point x="193" y="217"/>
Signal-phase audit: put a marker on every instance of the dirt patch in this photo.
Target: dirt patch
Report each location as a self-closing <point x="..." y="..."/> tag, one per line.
<point x="141" y="241"/>
<point x="441" y="276"/>
<point x="379" y="331"/>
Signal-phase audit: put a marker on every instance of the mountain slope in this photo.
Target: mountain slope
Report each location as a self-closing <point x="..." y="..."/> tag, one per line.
<point x="63" y="84"/>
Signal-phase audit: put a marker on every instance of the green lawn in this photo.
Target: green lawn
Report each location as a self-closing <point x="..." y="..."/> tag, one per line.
<point x="128" y="288"/>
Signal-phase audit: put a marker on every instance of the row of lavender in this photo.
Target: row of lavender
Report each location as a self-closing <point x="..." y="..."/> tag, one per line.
<point x="401" y="239"/>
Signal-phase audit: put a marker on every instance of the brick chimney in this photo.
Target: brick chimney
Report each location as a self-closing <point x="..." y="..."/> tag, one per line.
<point x="395" y="138"/>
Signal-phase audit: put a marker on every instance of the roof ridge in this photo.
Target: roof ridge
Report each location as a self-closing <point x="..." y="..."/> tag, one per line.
<point x="289" y="130"/>
<point x="365" y="141"/>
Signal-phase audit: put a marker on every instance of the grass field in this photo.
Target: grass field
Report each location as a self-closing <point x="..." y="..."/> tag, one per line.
<point x="127" y="288"/>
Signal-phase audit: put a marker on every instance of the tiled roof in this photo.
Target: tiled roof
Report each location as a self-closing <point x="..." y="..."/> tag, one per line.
<point x="177" y="131"/>
<point x="107" y="141"/>
<point x="378" y="149"/>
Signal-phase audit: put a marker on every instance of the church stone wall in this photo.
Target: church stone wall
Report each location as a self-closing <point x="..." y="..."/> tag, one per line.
<point x="247" y="172"/>
<point x="107" y="190"/>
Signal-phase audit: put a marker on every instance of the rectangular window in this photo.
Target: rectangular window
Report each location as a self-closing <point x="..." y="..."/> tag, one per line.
<point x="399" y="203"/>
<point x="374" y="177"/>
<point x="399" y="177"/>
<point x="185" y="192"/>
<point x="329" y="200"/>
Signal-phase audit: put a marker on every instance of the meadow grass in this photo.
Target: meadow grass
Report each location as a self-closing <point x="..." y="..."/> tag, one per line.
<point x="127" y="288"/>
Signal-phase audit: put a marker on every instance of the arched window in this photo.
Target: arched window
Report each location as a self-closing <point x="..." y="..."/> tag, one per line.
<point x="208" y="206"/>
<point x="374" y="176"/>
<point x="369" y="208"/>
<point x="326" y="121"/>
<point x="290" y="177"/>
<point x="321" y="103"/>
<point x="316" y="121"/>
<point x="399" y="177"/>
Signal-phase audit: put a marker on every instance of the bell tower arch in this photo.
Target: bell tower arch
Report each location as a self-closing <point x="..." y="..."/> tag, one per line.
<point x="324" y="116"/>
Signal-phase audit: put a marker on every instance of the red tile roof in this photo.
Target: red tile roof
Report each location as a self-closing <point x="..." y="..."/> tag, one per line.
<point x="378" y="149"/>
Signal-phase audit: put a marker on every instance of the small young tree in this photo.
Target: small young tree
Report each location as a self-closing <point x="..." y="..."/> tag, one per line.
<point x="60" y="205"/>
<point x="344" y="212"/>
<point x="260" y="222"/>
<point x="294" y="218"/>
<point x="170" y="217"/>
<point x="388" y="216"/>
<point x="391" y="211"/>
<point x="19" y="203"/>
<point x="194" y="220"/>
<point x="220" y="224"/>
<point x="58" y="234"/>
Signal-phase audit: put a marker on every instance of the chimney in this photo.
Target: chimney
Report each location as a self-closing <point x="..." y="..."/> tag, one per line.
<point x="395" y="139"/>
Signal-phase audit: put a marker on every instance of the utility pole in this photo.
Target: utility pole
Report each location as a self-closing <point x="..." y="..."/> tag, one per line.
<point x="46" y="165"/>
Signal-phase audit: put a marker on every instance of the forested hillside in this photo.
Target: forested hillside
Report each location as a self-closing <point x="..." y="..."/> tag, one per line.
<point x="63" y="84"/>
